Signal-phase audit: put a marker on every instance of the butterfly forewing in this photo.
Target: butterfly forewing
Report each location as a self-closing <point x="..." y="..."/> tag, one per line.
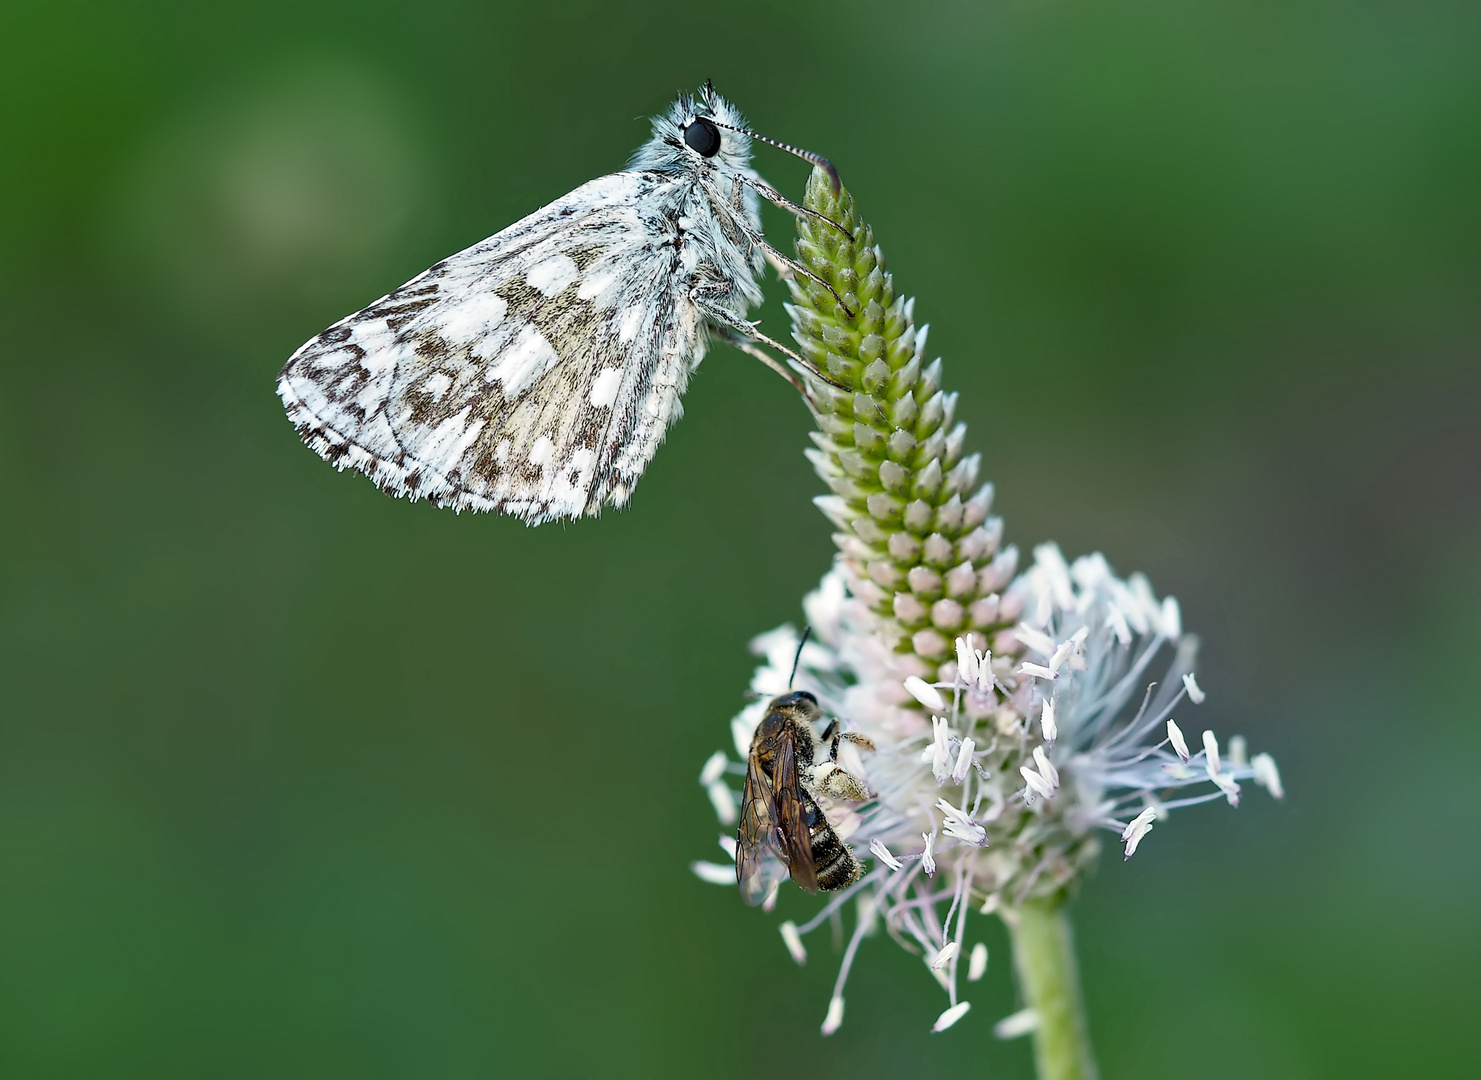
<point x="533" y="374"/>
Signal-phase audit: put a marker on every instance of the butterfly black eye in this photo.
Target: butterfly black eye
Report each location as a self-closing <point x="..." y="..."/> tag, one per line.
<point x="703" y="137"/>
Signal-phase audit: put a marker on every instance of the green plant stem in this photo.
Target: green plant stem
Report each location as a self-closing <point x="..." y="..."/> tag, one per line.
<point x="1044" y="956"/>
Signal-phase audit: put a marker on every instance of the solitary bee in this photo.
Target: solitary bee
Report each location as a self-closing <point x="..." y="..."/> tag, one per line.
<point x="782" y="827"/>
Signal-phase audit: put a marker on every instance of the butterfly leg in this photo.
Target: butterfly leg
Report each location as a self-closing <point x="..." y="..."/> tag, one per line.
<point x="777" y="259"/>
<point x="718" y="314"/>
<point x="772" y="195"/>
<point x="785" y="266"/>
<point x="745" y="345"/>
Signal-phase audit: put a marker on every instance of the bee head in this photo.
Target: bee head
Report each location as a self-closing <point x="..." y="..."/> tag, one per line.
<point x="799" y="703"/>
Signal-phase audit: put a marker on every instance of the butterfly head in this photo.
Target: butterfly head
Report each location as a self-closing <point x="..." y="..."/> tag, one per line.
<point x="698" y="135"/>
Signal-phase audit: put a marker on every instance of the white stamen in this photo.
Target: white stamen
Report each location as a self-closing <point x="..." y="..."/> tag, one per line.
<point x="1062" y="653"/>
<point x="925" y="693"/>
<point x="960" y="825"/>
<point x="928" y="856"/>
<point x="963" y="761"/>
<point x="941" y="750"/>
<point x="966" y="662"/>
<point x="1041" y="758"/>
<point x="1179" y="744"/>
<point x="1140" y="826"/>
<point x="834" y="1020"/>
<point x="794" y="941"/>
<point x="984" y="671"/>
<point x="1020" y="1023"/>
<point x="1228" y="786"/>
<point x="944" y="956"/>
<point x="1239" y="751"/>
<point x="1036" y="782"/>
<point x="723" y="800"/>
<point x="714" y="873"/>
<point x="1211" y="748"/>
<point x="1036" y="670"/>
<point x="1046" y="722"/>
<point x="977" y="966"/>
<point x="1195" y="695"/>
<point x="1146" y="817"/>
<point x="882" y="853"/>
<point x="951" y="1016"/>
<point x="727" y="845"/>
<point x="1267" y="775"/>
<point x="714" y="768"/>
<point x="742" y="730"/>
<point x="1037" y="640"/>
<point x="1172" y="619"/>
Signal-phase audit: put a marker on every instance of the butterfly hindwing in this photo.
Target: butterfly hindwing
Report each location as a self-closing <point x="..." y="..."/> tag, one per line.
<point x="533" y="374"/>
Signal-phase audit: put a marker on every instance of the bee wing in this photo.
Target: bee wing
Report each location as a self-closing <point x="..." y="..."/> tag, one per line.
<point x="796" y="844"/>
<point x="533" y="374"/>
<point x="759" y="864"/>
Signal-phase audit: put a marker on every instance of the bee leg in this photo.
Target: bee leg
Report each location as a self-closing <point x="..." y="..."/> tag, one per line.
<point x="845" y="737"/>
<point x="828" y="779"/>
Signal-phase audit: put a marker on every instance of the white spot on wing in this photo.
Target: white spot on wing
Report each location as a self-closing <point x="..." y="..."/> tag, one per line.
<point x="471" y="320"/>
<point x="542" y="452"/>
<point x="570" y="488"/>
<point x="443" y="446"/>
<point x="552" y="276"/>
<point x="627" y="328"/>
<point x="436" y="385"/>
<point x="528" y="357"/>
<point x="598" y="288"/>
<point x="604" y="390"/>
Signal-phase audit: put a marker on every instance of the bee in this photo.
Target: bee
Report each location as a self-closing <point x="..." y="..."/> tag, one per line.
<point x="782" y="828"/>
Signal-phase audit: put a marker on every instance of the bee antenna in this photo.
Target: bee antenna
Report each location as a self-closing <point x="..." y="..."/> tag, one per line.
<point x="806" y="155"/>
<point x="806" y="631"/>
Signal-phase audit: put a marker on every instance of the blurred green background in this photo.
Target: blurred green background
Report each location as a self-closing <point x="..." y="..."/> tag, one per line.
<point x="298" y="780"/>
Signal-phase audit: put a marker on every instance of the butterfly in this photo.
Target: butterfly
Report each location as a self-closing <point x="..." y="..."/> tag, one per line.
<point x="535" y="373"/>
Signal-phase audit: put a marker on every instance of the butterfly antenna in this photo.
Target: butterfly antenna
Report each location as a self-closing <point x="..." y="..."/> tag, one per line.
<point x="806" y="155"/>
<point x="806" y="631"/>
